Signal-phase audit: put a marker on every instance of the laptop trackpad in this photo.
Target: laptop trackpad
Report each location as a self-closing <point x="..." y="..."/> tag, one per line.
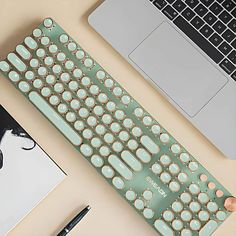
<point x="172" y="63"/>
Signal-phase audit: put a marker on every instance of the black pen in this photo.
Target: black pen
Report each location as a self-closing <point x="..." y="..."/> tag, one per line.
<point x="74" y="221"/>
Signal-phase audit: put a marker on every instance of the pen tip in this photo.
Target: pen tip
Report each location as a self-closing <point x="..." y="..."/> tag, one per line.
<point x="88" y="207"/>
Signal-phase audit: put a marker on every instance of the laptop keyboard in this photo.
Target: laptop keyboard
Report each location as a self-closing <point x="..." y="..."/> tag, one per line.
<point x="210" y="24"/>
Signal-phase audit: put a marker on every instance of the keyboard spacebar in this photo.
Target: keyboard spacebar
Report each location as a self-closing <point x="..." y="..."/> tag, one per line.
<point x="48" y="111"/>
<point x="198" y="39"/>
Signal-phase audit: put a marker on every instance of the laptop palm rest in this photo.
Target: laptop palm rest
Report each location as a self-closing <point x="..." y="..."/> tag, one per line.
<point x="178" y="69"/>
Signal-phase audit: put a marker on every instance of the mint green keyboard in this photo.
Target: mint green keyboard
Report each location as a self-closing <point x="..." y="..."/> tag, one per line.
<point x="172" y="191"/>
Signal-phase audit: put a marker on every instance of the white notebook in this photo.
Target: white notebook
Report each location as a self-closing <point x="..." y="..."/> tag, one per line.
<point x="27" y="173"/>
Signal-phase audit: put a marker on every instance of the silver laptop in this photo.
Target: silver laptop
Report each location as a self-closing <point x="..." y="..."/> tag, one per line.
<point x="187" y="50"/>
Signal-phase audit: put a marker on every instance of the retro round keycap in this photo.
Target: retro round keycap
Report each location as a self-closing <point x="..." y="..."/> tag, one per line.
<point x="177" y="225"/>
<point x="194" y="207"/>
<point x="42" y="71"/>
<point x="174" y="186"/>
<point x="87" y="134"/>
<point x="54" y="100"/>
<point x="165" y="138"/>
<point x="88" y="62"/>
<point x="109" y="83"/>
<point x="64" y="38"/>
<point x="14" y="76"/>
<point x="96" y="142"/>
<point x="67" y="96"/>
<point x="48" y="61"/>
<point x="194" y="189"/>
<point x="139" y="204"/>
<point x="69" y="65"/>
<point x="165" y="177"/>
<point x="80" y="54"/>
<point x="83" y="112"/>
<point x="115" y="127"/>
<point x="4" y="66"/>
<point x="109" y="138"/>
<point x="148" y="213"/>
<point x="82" y="94"/>
<point x="156" y="129"/>
<point x="184" y="157"/>
<point x="212" y="206"/>
<point x="132" y="144"/>
<point x="221" y="216"/>
<point x="203" y="198"/>
<point x="120" y="115"/>
<point x="100" y="129"/>
<point x="165" y="160"/>
<point x="130" y="195"/>
<point x="98" y="110"/>
<point x="186" y="232"/>
<point x="182" y="177"/>
<point x="48" y="23"/>
<point x="174" y="169"/>
<point x="56" y="69"/>
<point x="75" y="104"/>
<point x="79" y="125"/>
<point x="46" y="92"/>
<point x="101" y="74"/>
<point x="61" y="56"/>
<point x="90" y="102"/>
<point x="139" y="112"/>
<point x="128" y="123"/>
<point x="45" y="40"/>
<point x="62" y="108"/>
<point x="71" y="46"/>
<point x="168" y="215"/>
<point x="97" y="161"/>
<point x="186" y="215"/>
<point x="108" y="172"/>
<point x="118" y="182"/>
<point x="125" y="99"/>
<point x="86" y="81"/>
<point x="87" y="151"/>
<point x="65" y="77"/>
<point x="92" y="121"/>
<point x="193" y="166"/>
<point x="185" y="198"/>
<point x="51" y="79"/>
<point x="156" y="168"/>
<point x="104" y="151"/>
<point x="147" y="194"/>
<point x="58" y="88"/>
<point x="203" y="215"/>
<point x="123" y="136"/>
<point x="175" y="148"/>
<point x="53" y="48"/>
<point x="37" y="33"/>
<point x="24" y="86"/>
<point x="117" y="91"/>
<point x="117" y="146"/>
<point x="38" y="83"/>
<point x="111" y="106"/>
<point x="147" y="120"/>
<point x="94" y="89"/>
<point x="195" y="225"/>
<point x="177" y="206"/>
<point x="102" y="97"/>
<point x="107" y="119"/>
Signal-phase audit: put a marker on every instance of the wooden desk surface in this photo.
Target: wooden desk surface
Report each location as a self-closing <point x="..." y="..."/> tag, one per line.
<point x="110" y="215"/>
